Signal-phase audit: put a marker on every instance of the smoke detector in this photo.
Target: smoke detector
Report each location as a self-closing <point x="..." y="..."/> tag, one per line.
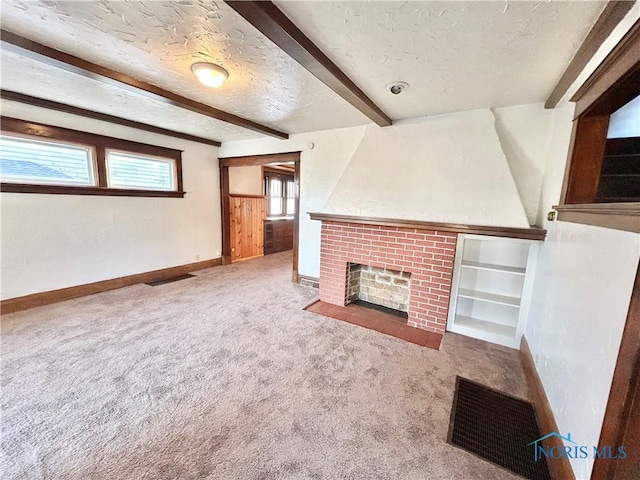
<point x="397" y="87"/>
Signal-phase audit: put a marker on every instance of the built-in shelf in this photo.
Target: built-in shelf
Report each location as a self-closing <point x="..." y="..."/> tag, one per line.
<point x="486" y="327"/>
<point x="489" y="297"/>
<point x="489" y="293"/>
<point x="494" y="268"/>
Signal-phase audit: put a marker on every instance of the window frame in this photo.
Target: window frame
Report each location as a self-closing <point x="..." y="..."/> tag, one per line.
<point x="100" y="144"/>
<point x="174" y="174"/>
<point x="93" y="170"/>
<point x="284" y="177"/>
<point x="613" y="84"/>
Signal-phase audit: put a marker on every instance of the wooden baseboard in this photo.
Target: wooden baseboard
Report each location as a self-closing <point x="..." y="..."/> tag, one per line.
<point x="560" y="469"/>
<point x="18" y="304"/>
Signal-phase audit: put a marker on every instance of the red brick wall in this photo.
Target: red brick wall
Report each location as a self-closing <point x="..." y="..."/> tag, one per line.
<point x="427" y="255"/>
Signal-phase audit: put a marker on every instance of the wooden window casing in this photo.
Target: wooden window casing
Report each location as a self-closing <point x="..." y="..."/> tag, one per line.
<point x="613" y="84"/>
<point x="287" y="192"/>
<point x="100" y="144"/>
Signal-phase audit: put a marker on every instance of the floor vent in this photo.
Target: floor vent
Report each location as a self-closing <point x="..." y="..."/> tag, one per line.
<point x="170" y="280"/>
<point x="496" y="427"/>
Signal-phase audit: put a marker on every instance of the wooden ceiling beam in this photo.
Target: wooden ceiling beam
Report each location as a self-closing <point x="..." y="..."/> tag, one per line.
<point x="277" y="27"/>
<point x="63" y="107"/>
<point x="609" y="19"/>
<point x="79" y="66"/>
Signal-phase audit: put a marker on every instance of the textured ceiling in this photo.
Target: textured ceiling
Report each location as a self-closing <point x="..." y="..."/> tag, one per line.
<point x="455" y="56"/>
<point x="158" y="41"/>
<point x="29" y="76"/>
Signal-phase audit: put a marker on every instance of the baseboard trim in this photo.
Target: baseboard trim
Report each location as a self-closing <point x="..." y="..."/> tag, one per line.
<point x="560" y="469"/>
<point x="26" y="302"/>
<point x="308" y="281"/>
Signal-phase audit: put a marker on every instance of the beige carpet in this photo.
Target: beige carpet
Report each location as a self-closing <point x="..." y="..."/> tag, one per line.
<point x="223" y="376"/>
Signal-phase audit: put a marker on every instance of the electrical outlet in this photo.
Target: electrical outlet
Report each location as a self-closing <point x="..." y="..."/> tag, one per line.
<point x="198" y="257"/>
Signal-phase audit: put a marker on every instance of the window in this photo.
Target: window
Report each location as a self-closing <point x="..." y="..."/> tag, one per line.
<point x="127" y="170"/>
<point x="279" y="188"/>
<point x="602" y="179"/>
<point x="38" y="158"/>
<point x="25" y="160"/>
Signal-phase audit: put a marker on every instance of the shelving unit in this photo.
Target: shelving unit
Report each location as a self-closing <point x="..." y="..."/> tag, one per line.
<point x="491" y="288"/>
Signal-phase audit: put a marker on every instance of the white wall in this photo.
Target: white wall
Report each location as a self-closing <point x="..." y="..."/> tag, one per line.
<point x="323" y="166"/>
<point x="581" y="296"/>
<point x="625" y="122"/>
<point x="320" y="169"/>
<point x="57" y="241"/>
<point x="245" y="180"/>
<point x="583" y="285"/>
<point x="447" y="168"/>
<point x="524" y="132"/>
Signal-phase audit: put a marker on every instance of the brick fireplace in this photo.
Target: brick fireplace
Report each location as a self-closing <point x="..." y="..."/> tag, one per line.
<point x="423" y="257"/>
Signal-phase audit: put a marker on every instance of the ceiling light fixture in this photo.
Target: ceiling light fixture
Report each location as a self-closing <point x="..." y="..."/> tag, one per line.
<point x="209" y="74"/>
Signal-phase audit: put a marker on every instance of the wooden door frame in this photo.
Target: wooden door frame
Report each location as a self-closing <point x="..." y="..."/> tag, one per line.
<point x="622" y="392"/>
<point x="252" y="160"/>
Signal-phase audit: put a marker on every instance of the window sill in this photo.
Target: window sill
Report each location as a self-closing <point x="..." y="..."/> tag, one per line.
<point x="69" y="190"/>
<point x="290" y="217"/>
<point x="618" y="216"/>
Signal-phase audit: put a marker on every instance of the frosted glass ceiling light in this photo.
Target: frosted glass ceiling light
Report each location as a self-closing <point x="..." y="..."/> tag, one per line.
<point x="209" y="74"/>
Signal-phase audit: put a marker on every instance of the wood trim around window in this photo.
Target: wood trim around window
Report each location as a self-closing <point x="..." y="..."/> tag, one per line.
<point x="619" y="216"/>
<point x="263" y="159"/>
<point x="616" y="70"/>
<point x="100" y="143"/>
<point x="613" y="84"/>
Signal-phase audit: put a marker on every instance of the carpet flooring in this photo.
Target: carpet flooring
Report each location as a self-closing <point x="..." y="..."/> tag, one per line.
<point x="224" y="376"/>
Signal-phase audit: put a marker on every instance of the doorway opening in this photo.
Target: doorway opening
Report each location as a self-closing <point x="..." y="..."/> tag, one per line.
<point x="260" y="198"/>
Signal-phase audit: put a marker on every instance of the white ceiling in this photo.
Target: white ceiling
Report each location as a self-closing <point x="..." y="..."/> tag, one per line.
<point x="455" y="56"/>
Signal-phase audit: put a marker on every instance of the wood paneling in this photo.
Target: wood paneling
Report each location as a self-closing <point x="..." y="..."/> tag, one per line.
<point x="83" y="112"/>
<point x="278" y="236"/>
<point x="267" y="18"/>
<point x="610" y="17"/>
<point x="621" y="425"/>
<point x="79" y="66"/>
<point x="560" y="468"/>
<point x="590" y="141"/>
<point x="247" y="226"/>
<point x="53" y="296"/>
<point x="533" y="233"/>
